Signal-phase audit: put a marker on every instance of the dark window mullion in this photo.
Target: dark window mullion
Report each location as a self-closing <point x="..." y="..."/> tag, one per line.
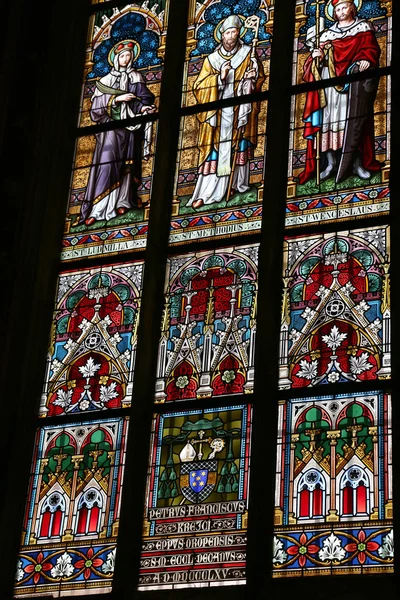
<point x="130" y="530"/>
<point x="299" y="88"/>
<point x="395" y="279"/>
<point x="47" y="125"/>
<point x="263" y="450"/>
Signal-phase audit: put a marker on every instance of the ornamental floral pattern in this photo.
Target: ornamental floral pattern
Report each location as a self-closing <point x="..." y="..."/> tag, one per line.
<point x="209" y="325"/>
<point x="328" y="551"/>
<point x="92" y="347"/>
<point x="336" y="309"/>
<point x="195" y="522"/>
<point x="72" y="515"/>
<point x="57" y="570"/>
<point x="333" y="496"/>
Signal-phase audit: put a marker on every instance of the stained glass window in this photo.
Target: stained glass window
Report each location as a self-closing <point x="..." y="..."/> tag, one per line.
<point x="161" y="307"/>
<point x="125" y="55"/>
<point x="208" y="337"/>
<point x="72" y="514"/>
<point x="333" y="494"/>
<point x="197" y="498"/>
<point x="336" y="308"/>
<point x="210" y="203"/>
<point x="220" y="164"/>
<point x="333" y="504"/>
<point x="207" y="47"/>
<point x="93" y="340"/>
<point x="339" y="158"/>
<point x="109" y="203"/>
<point x="345" y="34"/>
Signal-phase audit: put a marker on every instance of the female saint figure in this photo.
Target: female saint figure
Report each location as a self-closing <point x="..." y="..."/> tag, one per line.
<point x="115" y="174"/>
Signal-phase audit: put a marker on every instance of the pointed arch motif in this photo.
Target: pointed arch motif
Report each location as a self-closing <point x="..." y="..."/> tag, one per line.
<point x="311" y="492"/>
<point x="208" y="337"/>
<point x="93" y="342"/>
<point x="336" y="309"/>
<point x="52" y="516"/>
<point x="355" y="491"/>
<point x="90" y="505"/>
<point x="334" y="484"/>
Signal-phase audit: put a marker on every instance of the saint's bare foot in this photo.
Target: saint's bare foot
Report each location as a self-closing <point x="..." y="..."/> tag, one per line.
<point x="198" y="204"/>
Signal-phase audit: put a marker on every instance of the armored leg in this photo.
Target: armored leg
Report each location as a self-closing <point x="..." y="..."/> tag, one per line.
<point x="331" y="166"/>
<point x="359" y="170"/>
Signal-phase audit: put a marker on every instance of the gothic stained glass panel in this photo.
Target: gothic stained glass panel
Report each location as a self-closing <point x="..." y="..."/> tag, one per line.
<point x="71" y="523"/>
<point x="195" y="524"/>
<point x="93" y="340"/>
<point x="209" y="326"/>
<point x="109" y="203"/>
<point x="225" y="32"/>
<point x="125" y="54"/>
<point x="211" y="199"/>
<point x="336" y="308"/>
<point x="347" y="35"/>
<point x="352" y="136"/>
<point x="333" y="494"/>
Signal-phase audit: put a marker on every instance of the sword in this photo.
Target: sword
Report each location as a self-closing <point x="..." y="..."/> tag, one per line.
<point x="317" y="4"/>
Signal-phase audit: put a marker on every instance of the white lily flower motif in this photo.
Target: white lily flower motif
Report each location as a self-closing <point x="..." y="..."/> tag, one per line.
<point x="109" y="565"/>
<point x="322" y="292"/>
<point x="387" y="548"/>
<point x="90" y="369"/>
<point x="107" y="392"/>
<point x="280" y="556"/>
<point x="332" y="549"/>
<point x="56" y="365"/>
<point x="375" y="326"/>
<point x="106" y="321"/>
<point x="84" y="325"/>
<point x="19" y="574"/>
<point x="294" y="335"/>
<point x="334" y="339"/>
<point x="362" y="307"/>
<point x="115" y="339"/>
<point x="308" y="313"/>
<point x="69" y="344"/>
<point x="63" y="566"/>
<point x="359" y="364"/>
<point x="308" y="369"/>
<point x="64" y="398"/>
<point x="348" y="289"/>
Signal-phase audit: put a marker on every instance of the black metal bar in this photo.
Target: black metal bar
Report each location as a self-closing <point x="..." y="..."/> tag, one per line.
<point x="130" y="531"/>
<point x="263" y="456"/>
<point x="343" y="79"/>
<point x="42" y="129"/>
<point x="395" y="276"/>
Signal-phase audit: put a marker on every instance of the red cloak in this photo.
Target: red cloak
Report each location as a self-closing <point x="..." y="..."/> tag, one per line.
<point x="346" y="52"/>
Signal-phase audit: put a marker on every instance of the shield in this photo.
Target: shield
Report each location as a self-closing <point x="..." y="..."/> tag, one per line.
<point x="360" y="107"/>
<point x="198" y="479"/>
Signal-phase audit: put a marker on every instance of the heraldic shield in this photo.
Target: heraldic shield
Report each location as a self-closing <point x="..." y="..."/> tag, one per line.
<point x="198" y="479"/>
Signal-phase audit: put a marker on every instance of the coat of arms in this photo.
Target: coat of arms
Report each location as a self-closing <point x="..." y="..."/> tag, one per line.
<point x="201" y="471"/>
<point x="198" y="477"/>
